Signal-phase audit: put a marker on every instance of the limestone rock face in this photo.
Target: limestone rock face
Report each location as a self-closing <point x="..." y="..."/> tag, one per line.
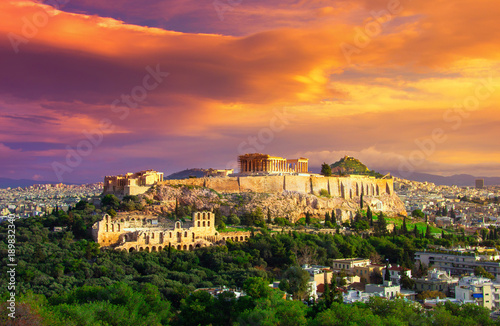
<point x="291" y="205"/>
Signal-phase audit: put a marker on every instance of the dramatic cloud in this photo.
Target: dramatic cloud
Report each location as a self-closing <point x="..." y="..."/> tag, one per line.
<point x="179" y="84"/>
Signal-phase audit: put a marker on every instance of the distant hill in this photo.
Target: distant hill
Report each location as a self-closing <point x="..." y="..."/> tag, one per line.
<point x="351" y="165"/>
<point x="461" y="180"/>
<point x="198" y="173"/>
<point x="14" y="183"/>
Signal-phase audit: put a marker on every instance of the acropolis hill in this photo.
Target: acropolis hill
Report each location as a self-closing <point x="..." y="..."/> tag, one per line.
<point x="284" y="187"/>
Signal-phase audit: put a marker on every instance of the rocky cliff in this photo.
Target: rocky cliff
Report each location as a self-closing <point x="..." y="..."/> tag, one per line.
<point x="287" y="204"/>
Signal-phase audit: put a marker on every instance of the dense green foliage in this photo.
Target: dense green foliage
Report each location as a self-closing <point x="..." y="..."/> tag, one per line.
<point x="351" y="165"/>
<point x="64" y="278"/>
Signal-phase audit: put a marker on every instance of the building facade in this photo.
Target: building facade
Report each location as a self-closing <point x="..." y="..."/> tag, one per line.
<point x="262" y="164"/>
<point x="437" y="280"/>
<point x="146" y="233"/>
<point x="131" y="183"/>
<point x="459" y="262"/>
<point x="479" y="290"/>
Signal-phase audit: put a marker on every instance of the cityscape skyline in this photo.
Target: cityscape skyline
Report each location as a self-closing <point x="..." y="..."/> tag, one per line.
<point x="92" y="89"/>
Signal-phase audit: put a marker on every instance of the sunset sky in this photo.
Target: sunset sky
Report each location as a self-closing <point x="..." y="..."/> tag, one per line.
<point x="91" y="88"/>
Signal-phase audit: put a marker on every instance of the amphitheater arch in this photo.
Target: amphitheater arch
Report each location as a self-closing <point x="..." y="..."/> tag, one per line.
<point x="107" y="228"/>
<point x="241" y="238"/>
<point x="179" y="247"/>
<point x="184" y="247"/>
<point x="131" y="249"/>
<point x="198" y="245"/>
<point x="198" y="223"/>
<point x="190" y="247"/>
<point x="153" y="248"/>
<point x="203" y="223"/>
<point x="147" y="249"/>
<point x="141" y="249"/>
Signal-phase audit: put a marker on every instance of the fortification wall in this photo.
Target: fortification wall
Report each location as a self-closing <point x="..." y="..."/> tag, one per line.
<point x="267" y="184"/>
<point x="228" y="184"/>
<point x="135" y="190"/>
<point x="318" y="183"/>
<point x="200" y="182"/>
<point x="298" y="184"/>
<point x="342" y="187"/>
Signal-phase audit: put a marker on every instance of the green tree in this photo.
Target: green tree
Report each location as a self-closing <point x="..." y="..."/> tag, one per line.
<point x="361" y="201"/>
<point x="381" y="224"/>
<point x="256" y="288"/>
<point x="369" y="215"/>
<point x="308" y="218"/>
<point x="110" y="201"/>
<point x="407" y="282"/>
<point x="404" y="229"/>
<point x="327" y="217"/>
<point x="428" y="232"/>
<point x="297" y="280"/>
<point x="480" y="271"/>
<point x="417" y="213"/>
<point x="326" y="170"/>
<point x="387" y="274"/>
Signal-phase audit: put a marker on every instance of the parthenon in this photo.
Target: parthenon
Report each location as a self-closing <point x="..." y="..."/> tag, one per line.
<point x="266" y="164"/>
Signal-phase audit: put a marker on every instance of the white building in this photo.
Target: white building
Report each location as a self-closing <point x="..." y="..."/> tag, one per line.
<point x="480" y="290"/>
<point x="387" y="290"/>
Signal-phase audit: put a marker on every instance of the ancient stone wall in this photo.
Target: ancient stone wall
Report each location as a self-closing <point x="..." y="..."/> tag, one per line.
<point x="145" y="233"/>
<point x="343" y="187"/>
<point x="228" y="184"/>
<point x="268" y="184"/>
<point x="318" y="183"/>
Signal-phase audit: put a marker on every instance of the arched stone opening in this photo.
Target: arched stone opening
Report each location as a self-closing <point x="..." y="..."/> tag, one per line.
<point x="153" y="248"/>
<point x="184" y="247"/>
<point x="131" y="250"/>
<point x="147" y="249"/>
<point x="190" y="247"/>
<point x="179" y="247"/>
<point x="141" y="249"/>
